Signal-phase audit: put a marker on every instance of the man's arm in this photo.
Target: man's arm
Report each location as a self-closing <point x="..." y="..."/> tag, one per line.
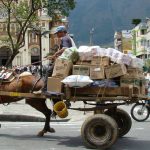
<point x="57" y="54"/>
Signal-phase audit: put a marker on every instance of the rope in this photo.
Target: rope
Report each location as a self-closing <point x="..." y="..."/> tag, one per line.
<point x="35" y="62"/>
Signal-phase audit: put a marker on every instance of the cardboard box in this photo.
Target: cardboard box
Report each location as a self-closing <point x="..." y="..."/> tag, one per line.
<point x="83" y="62"/>
<point x="134" y="73"/>
<point x="126" y="82"/>
<point x="115" y="70"/>
<point x="97" y="72"/>
<point x="143" y="86"/>
<point x="54" y="84"/>
<point x="62" y="68"/>
<point x="102" y="61"/>
<point x="81" y="70"/>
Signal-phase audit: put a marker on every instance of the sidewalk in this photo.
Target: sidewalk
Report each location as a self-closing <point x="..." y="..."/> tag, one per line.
<point x="20" y="111"/>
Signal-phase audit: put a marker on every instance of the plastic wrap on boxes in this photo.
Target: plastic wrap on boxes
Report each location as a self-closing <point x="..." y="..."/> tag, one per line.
<point x="124" y="59"/>
<point x="77" y="81"/>
<point x="100" y="52"/>
<point x="137" y="62"/>
<point x="116" y="55"/>
<point x="109" y="52"/>
<point x="86" y="53"/>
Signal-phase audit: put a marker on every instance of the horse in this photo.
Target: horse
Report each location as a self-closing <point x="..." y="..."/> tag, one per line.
<point x="25" y="83"/>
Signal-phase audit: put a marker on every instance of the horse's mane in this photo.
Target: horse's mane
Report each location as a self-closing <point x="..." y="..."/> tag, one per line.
<point x="26" y="73"/>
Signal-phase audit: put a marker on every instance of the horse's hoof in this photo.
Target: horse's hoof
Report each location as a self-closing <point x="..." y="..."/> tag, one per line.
<point x="41" y="133"/>
<point x="51" y="130"/>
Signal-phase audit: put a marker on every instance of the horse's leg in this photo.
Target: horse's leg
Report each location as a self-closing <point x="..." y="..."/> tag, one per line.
<point x="40" y="105"/>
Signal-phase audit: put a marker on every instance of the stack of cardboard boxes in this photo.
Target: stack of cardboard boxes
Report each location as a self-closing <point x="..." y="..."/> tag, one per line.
<point x="61" y="70"/>
<point x="98" y="68"/>
<point x="94" y="69"/>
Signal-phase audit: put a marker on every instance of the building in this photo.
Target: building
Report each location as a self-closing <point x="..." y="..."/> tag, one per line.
<point x="139" y="40"/>
<point x="123" y="41"/>
<point x="118" y="41"/>
<point x="31" y="52"/>
<point x="147" y="40"/>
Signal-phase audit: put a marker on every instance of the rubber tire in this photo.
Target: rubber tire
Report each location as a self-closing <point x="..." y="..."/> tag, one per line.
<point x="132" y="114"/>
<point x="123" y="120"/>
<point x="91" y="127"/>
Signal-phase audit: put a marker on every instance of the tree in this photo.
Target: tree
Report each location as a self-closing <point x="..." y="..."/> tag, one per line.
<point x="136" y="21"/>
<point x="24" y="15"/>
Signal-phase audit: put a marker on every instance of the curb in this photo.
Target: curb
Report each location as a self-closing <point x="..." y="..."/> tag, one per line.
<point x="25" y="118"/>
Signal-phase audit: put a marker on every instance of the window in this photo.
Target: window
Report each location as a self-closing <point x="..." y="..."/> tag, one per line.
<point x="1" y="27"/>
<point x="43" y="24"/>
<point x="32" y="37"/>
<point x="147" y="43"/>
<point x="12" y="27"/>
<point x="143" y="42"/>
<point x="143" y="31"/>
<point x="4" y="27"/>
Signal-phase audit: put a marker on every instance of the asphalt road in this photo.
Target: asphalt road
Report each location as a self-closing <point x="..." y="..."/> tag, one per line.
<point x="22" y="136"/>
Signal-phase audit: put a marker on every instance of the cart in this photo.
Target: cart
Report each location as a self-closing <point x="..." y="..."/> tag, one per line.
<point x="108" y="123"/>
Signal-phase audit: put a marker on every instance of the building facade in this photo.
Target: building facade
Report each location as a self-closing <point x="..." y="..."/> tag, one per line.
<point x="32" y="52"/>
<point x="139" y="40"/>
<point x="123" y="41"/>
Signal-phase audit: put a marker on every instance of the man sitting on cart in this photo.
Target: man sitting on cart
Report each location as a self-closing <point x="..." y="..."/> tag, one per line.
<point x="66" y="42"/>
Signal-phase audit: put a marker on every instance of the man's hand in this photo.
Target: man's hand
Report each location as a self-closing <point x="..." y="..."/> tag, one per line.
<point x="53" y="57"/>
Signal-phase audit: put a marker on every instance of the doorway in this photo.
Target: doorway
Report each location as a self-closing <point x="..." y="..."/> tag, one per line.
<point x="35" y="55"/>
<point x="5" y="52"/>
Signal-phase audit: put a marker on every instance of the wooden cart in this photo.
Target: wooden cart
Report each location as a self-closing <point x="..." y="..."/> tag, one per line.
<point x="108" y="122"/>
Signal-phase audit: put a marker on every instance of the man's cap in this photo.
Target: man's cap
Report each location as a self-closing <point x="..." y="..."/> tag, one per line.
<point x="60" y="29"/>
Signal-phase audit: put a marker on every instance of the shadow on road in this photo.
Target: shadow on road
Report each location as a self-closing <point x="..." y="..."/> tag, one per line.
<point x="67" y="141"/>
<point x="129" y="143"/>
<point x="126" y="143"/>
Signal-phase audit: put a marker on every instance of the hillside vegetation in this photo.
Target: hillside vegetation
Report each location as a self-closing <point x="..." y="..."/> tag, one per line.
<point x="106" y="16"/>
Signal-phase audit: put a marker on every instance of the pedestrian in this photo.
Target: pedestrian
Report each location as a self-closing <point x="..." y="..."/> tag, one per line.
<point x="65" y="42"/>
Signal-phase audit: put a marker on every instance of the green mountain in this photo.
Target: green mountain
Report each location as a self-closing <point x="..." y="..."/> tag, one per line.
<point x="106" y="17"/>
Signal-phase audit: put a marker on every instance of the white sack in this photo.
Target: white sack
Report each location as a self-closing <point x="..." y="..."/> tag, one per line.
<point x="77" y="81"/>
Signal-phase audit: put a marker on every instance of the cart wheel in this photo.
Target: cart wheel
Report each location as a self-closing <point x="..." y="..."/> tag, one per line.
<point x="139" y="112"/>
<point x="123" y="120"/>
<point x="99" y="131"/>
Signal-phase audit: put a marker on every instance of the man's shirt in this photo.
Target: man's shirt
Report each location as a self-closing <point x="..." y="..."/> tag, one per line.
<point x="65" y="42"/>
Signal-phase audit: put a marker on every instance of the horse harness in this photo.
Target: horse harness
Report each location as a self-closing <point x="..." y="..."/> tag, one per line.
<point x="34" y="83"/>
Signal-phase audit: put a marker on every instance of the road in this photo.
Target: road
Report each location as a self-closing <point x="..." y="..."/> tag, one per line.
<point x="22" y="136"/>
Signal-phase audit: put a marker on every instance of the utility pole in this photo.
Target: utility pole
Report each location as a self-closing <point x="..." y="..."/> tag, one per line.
<point x="134" y="42"/>
<point x="40" y="45"/>
<point x="91" y="36"/>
